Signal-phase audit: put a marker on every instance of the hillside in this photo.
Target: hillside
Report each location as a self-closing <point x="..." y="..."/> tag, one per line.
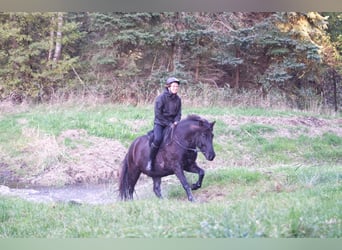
<point x="64" y="145"/>
<point x="277" y="174"/>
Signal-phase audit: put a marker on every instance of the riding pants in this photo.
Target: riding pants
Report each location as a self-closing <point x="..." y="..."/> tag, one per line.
<point x="158" y="135"/>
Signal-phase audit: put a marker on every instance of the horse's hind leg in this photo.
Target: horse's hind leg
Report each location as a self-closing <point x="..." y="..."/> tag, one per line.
<point x="156" y="186"/>
<point x="194" y="168"/>
<point x="132" y="181"/>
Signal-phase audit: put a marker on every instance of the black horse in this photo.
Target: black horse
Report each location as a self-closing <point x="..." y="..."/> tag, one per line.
<point x="178" y="152"/>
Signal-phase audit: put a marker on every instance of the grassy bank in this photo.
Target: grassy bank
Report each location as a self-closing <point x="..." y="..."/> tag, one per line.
<point x="277" y="174"/>
<point x="284" y="203"/>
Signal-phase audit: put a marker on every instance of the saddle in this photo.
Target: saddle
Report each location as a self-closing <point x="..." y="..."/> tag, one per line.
<point x="167" y="134"/>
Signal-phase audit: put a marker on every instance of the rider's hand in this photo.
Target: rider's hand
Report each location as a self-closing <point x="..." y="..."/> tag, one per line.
<point x="174" y="124"/>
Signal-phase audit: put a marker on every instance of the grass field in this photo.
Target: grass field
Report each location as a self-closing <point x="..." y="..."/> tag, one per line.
<point x="277" y="174"/>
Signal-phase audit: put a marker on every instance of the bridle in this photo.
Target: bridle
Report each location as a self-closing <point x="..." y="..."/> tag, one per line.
<point x="175" y="139"/>
<point x="184" y="147"/>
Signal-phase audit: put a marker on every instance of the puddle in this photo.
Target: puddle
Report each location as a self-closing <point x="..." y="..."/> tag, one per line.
<point x="107" y="193"/>
<point x="76" y="194"/>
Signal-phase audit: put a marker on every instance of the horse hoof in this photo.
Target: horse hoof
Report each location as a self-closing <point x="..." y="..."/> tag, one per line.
<point x="191" y="199"/>
<point x="195" y="186"/>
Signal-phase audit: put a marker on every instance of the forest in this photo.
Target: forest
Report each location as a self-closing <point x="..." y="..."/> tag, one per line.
<point x="288" y="57"/>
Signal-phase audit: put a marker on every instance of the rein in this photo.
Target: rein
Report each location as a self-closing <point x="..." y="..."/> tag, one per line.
<point x="184" y="147"/>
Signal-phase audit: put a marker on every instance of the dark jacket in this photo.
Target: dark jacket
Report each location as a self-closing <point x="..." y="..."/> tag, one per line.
<point x="167" y="108"/>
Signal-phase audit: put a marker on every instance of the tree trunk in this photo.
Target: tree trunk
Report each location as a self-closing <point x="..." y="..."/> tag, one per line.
<point x="52" y="38"/>
<point x="237" y="71"/>
<point x="335" y="90"/>
<point x="58" y="49"/>
<point x="170" y="66"/>
<point x="176" y="50"/>
<point x="198" y="63"/>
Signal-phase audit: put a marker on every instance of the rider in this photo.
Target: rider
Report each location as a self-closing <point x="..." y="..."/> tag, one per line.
<point x="167" y="111"/>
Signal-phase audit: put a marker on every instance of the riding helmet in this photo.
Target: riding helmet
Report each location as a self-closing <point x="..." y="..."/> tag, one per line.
<point x="171" y="80"/>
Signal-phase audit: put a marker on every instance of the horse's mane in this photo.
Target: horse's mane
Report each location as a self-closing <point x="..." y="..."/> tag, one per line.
<point x="195" y="118"/>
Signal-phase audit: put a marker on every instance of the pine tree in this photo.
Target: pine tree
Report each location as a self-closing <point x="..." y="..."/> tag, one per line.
<point x="28" y="41"/>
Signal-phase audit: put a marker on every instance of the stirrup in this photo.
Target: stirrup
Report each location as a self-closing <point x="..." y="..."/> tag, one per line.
<point x="149" y="166"/>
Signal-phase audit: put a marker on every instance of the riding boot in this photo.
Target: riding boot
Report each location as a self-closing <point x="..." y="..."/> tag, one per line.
<point x="153" y="153"/>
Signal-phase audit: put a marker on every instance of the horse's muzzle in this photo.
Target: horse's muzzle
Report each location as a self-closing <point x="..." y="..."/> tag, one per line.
<point x="210" y="156"/>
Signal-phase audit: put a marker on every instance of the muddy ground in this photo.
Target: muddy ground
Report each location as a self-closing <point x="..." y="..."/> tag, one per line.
<point x="73" y="157"/>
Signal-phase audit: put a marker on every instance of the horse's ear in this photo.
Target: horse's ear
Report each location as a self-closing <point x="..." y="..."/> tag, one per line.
<point x="212" y="124"/>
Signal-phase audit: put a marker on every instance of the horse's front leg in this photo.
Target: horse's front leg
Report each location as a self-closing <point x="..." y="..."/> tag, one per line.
<point x="156" y="186"/>
<point x="180" y="175"/>
<point x="194" y="168"/>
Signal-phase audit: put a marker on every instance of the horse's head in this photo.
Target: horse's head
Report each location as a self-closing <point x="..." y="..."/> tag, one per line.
<point x="205" y="139"/>
<point x="203" y="136"/>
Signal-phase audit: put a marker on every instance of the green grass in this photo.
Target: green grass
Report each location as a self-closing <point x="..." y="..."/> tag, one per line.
<point x="261" y="184"/>
<point x="326" y="148"/>
<point x="241" y="176"/>
<point x="106" y="121"/>
<point x="307" y="205"/>
<point x="241" y="111"/>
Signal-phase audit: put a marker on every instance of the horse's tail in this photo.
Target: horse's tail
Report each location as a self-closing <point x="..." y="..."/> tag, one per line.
<point x="124" y="182"/>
